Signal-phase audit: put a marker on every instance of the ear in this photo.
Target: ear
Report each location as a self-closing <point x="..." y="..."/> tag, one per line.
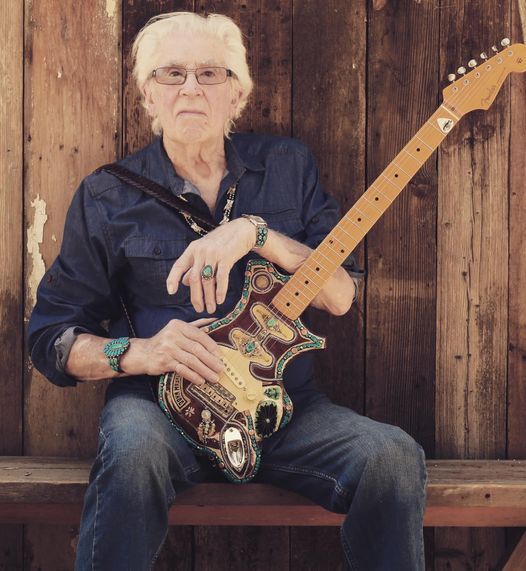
<point x="236" y="97"/>
<point x="148" y="96"/>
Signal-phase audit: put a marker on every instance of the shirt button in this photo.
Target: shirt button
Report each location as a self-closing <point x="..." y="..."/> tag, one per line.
<point x="315" y="220"/>
<point x="157" y="250"/>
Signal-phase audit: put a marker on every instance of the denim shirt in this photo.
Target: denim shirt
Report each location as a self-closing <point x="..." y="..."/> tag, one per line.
<point x="119" y="242"/>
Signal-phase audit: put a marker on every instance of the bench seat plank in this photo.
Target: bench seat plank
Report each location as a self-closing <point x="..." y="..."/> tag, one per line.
<point x="472" y="493"/>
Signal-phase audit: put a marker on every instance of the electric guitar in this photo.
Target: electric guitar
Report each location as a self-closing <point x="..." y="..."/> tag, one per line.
<point x="228" y="420"/>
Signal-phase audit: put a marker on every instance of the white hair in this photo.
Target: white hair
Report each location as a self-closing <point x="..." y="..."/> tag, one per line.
<point x="151" y="35"/>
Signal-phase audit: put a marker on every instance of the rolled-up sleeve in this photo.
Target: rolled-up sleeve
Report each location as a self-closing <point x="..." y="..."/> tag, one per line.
<point x="321" y="214"/>
<point x="77" y="291"/>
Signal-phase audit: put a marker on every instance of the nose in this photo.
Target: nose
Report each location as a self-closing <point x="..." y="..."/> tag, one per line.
<point x="190" y="85"/>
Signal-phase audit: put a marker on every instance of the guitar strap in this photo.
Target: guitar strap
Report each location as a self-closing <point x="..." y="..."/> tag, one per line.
<point x="160" y="193"/>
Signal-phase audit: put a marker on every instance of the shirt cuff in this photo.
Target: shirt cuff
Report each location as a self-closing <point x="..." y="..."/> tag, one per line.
<point x="63" y="346"/>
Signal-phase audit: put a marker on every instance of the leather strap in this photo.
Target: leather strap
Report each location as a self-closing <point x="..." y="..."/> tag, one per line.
<point x="159" y="192"/>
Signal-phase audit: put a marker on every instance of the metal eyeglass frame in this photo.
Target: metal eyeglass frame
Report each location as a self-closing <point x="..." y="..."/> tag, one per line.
<point x="229" y="73"/>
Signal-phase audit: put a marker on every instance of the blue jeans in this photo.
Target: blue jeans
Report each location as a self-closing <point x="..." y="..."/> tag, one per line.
<point x="373" y="472"/>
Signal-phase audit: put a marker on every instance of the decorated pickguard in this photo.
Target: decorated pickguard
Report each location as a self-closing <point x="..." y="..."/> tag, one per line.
<point x="228" y="420"/>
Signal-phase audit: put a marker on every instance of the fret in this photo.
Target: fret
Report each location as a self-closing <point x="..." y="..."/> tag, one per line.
<point x="343" y="221"/>
<point x="398" y="166"/>
<point x="349" y="219"/>
<point x="432" y="149"/>
<point x="285" y="299"/>
<point x="420" y="163"/>
<point x="361" y="212"/>
<point x="313" y="280"/>
<point x="373" y="204"/>
<point x="331" y="261"/>
<point x="383" y="175"/>
<point x="322" y="272"/>
<point x="376" y="188"/>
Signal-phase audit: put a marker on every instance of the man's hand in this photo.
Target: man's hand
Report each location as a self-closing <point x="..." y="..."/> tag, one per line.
<point x="220" y="249"/>
<point x="181" y="347"/>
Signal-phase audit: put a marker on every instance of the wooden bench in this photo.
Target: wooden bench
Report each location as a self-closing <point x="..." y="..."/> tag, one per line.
<point x="462" y="493"/>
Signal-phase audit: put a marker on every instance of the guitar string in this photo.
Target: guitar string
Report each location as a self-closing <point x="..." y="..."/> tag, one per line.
<point x="381" y="187"/>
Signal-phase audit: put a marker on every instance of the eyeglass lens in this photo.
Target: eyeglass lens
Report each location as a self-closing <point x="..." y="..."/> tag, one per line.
<point x="204" y="75"/>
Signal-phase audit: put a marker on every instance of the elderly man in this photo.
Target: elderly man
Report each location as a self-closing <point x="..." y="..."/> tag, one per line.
<point x="122" y="247"/>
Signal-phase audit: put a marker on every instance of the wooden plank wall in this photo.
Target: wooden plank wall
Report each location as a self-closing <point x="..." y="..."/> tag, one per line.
<point x="440" y="326"/>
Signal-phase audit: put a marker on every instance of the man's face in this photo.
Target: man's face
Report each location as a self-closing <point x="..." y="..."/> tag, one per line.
<point x="191" y="113"/>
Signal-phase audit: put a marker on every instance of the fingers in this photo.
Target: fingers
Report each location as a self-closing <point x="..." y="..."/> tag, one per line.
<point x="223" y="270"/>
<point x="181" y="266"/>
<point x="209" y="291"/>
<point x="202" y="321"/>
<point x="185" y="349"/>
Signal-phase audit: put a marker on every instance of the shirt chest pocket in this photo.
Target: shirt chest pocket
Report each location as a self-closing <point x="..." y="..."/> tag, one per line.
<point x="149" y="263"/>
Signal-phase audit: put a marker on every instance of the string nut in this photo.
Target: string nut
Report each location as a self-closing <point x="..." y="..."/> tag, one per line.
<point x="472" y="63"/>
<point x="451" y="77"/>
<point x="461" y="70"/>
<point x="505" y="42"/>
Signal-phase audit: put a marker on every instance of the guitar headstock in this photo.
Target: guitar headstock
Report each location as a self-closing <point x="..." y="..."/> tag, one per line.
<point x="478" y="88"/>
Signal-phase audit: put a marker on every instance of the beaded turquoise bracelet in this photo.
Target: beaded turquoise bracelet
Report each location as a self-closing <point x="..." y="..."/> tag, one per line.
<point x="114" y="350"/>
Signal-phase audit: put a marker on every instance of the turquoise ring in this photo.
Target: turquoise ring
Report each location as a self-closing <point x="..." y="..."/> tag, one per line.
<point x="207" y="273"/>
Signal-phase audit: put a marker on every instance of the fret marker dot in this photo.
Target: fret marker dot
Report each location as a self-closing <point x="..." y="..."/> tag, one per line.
<point x="297" y="293"/>
<point x="318" y="269"/>
<point x="342" y="251"/>
<point x="418" y="150"/>
<point x="359" y="219"/>
<point x="288" y="303"/>
<point x="376" y="198"/>
<point x="396" y="175"/>
<point x="306" y="281"/>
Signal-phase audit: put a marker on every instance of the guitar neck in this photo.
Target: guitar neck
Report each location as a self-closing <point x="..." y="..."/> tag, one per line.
<point x="314" y="273"/>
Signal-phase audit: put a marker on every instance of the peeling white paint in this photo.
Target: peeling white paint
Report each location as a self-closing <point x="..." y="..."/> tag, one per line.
<point x="111" y="6"/>
<point x="59" y="73"/>
<point x="35" y="236"/>
<point x="53" y="237"/>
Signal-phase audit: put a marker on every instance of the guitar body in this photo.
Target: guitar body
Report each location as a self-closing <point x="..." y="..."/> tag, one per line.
<point x="228" y="420"/>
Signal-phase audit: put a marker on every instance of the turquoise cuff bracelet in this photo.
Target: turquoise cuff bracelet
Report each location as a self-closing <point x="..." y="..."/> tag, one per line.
<point x="114" y="350"/>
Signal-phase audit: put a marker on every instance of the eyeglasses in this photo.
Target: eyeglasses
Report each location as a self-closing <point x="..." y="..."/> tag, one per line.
<point x="172" y="75"/>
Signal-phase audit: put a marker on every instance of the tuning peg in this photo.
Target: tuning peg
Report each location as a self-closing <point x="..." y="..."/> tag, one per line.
<point x="505" y="42"/>
<point x="461" y="70"/>
<point x="472" y="63"/>
<point x="451" y="77"/>
<point x="495" y="49"/>
<point x="483" y="55"/>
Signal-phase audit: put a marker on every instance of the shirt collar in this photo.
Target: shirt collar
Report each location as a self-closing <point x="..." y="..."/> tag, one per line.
<point x="237" y="159"/>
